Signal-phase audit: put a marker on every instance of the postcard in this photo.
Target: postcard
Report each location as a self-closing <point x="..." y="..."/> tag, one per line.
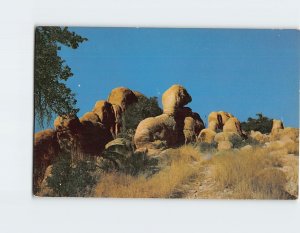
<point x="166" y="113"/>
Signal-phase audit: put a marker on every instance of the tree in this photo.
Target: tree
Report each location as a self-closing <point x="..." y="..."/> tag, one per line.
<point x="51" y="96"/>
<point x="135" y="113"/>
<point x="262" y="124"/>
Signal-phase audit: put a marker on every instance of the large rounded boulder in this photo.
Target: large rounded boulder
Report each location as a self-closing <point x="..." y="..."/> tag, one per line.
<point x="156" y="132"/>
<point x="174" y="98"/>
<point x="206" y="135"/>
<point x="67" y="122"/>
<point x="93" y="134"/>
<point x="123" y="97"/>
<point x="233" y="125"/>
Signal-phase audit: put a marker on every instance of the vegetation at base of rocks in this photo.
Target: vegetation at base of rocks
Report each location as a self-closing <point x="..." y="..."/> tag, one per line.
<point x="239" y="142"/>
<point x="261" y="123"/>
<point x="206" y="147"/>
<point x="253" y="174"/>
<point x="184" y="162"/>
<point x="132" y="164"/>
<point x="72" y="178"/>
<point x="135" y="113"/>
<point x="51" y="95"/>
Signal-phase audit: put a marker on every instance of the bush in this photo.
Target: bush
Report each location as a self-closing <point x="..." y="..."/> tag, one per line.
<point x="130" y="164"/>
<point x="71" y="178"/>
<point x="238" y="142"/>
<point x="262" y="124"/>
<point x="206" y="147"/>
<point x="135" y="113"/>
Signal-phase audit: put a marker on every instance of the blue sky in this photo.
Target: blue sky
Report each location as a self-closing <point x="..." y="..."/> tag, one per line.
<point x="243" y="72"/>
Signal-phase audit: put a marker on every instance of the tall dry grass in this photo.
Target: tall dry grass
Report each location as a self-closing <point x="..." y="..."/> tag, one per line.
<point x="258" y="173"/>
<point x="184" y="163"/>
<point x="253" y="174"/>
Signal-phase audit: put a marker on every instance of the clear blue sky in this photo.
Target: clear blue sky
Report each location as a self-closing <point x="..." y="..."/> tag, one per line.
<point x="240" y="71"/>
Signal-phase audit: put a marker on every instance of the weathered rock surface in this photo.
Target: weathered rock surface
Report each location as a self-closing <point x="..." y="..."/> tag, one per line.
<point x="233" y="125"/>
<point x="277" y="125"/>
<point x="207" y="135"/>
<point x="258" y="136"/>
<point x="106" y="114"/>
<point x="224" y="145"/>
<point x="156" y="132"/>
<point x="120" y="146"/>
<point x="176" y="126"/>
<point x="225" y="136"/>
<point x="175" y="98"/>
<point x="46" y="148"/>
<point x="118" y="119"/>
<point x="93" y="137"/>
<point x="122" y="96"/>
<point x="216" y="120"/>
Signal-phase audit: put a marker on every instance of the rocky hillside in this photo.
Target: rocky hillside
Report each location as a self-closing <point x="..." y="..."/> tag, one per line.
<point x="178" y="125"/>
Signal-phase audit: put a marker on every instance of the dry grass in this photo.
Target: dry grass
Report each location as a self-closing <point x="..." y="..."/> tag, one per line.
<point x="254" y="174"/>
<point x="185" y="162"/>
<point x="260" y="173"/>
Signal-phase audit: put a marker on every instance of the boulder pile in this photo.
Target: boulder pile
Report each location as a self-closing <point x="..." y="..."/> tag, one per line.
<point x="87" y="135"/>
<point x="176" y="126"/>
<point x="222" y="126"/>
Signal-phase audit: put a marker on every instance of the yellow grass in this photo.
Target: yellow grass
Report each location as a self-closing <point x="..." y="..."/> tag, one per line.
<point x="250" y="174"/>
<point x="184" y="163"/>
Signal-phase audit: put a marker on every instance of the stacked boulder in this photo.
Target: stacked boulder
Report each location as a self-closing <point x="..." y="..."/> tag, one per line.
<point x="87" y="135"/>
<point x="177" y="125"/>
<point x="283" y="140"/>
<point x="222" y="126"/>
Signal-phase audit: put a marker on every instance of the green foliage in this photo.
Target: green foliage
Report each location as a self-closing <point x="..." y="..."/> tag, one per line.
<point x="144" y="108"/>
<point x="206" y="147"/>
<point x="70" y="179"/>
<point x="51" y="96"/>
<point x="129" y="162"/>
<point x="261" y="123"/>
<point x="238" y="142"/>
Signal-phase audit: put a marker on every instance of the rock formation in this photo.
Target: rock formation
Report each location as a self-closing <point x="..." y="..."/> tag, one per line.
<point x="222" y="126"/>
<point x="123" y="97"/>
<point x="175" y="98"/>
<point x="207" y="135"/>
<point x="277" y="126"/>
<point x="176" y="126"/>
<point x="87" y="135"/>
<point x="46" y="148"/>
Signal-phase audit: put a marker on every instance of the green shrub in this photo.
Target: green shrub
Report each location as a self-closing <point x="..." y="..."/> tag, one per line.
<point x="206" y="147"/>
<point x="135" y="113"/>
<point x="238" y="142"/>
<point x="128" y="162"/>
<point x="71" y="179"/>
<point x="262" y="124"/>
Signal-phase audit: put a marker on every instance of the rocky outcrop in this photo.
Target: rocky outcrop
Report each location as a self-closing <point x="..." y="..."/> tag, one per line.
<point x="222" y="127"/>
<point x="123" y="97"/>
<point x="177" y="125"/>
<point x="156" y="132"/>
<point x="224" y="145"/>
<point x="277" y="126"/>
<point x="46" y="148"/>
<point x="106" y="114"/>
<point x="233" y="125"/>
<point x="175" y="98"/>
<point x="218" y="119"/>
<point x="207" y="135"/>
<point x="225" y="136"/>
